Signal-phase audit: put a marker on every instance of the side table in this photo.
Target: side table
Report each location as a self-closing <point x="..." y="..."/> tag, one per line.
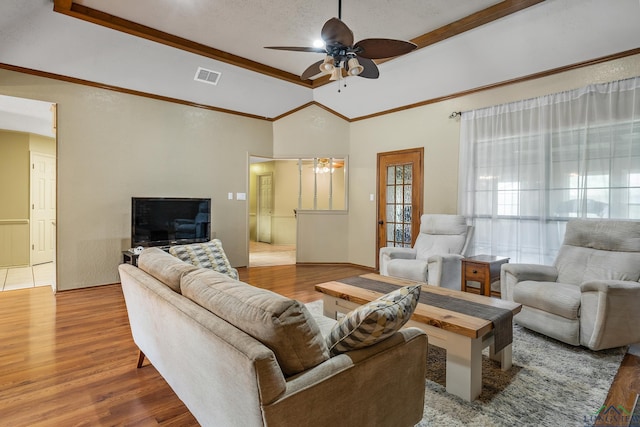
<point x="484" y="269"/>
<point x="128" y="257"/>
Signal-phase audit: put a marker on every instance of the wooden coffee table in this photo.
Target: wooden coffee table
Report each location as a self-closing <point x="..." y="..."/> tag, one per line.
<point x="462" y="336"/>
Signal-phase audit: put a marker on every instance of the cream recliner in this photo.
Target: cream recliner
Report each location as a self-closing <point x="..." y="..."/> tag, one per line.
<point x="435" y="257"/>
<point x="591" y="295"/>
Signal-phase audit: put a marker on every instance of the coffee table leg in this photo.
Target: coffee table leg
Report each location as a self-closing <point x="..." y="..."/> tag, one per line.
<point x="329" y="307"/>
<point x="504" y="356"/>
<point x="464" y="367"/>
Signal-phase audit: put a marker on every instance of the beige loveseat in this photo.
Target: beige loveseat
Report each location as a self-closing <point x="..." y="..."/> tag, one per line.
<point x="262" y="360"/>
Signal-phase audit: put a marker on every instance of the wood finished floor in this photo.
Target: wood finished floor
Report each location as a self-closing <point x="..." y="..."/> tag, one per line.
<point x="68" y="359"/>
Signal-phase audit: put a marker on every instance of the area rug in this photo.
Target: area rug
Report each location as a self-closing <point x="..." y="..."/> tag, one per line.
<point x="549" y="384"/>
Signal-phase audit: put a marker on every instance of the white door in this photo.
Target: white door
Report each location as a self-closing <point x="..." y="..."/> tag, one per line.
<point x="43" y="208"/>
<point x="265" y="207"/>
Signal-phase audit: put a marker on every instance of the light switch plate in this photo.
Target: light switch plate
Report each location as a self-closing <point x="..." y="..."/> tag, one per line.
<point x="241" y="196"/>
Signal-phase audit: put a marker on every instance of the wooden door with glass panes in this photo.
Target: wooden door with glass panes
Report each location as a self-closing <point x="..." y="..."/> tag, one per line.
<point x="400" y="190"/>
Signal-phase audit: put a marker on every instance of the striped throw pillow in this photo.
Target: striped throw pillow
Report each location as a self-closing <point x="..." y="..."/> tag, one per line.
<point x="375" y="321"/>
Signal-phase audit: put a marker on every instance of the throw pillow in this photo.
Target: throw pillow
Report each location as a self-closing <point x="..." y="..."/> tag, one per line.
<point x="282" y="324"/>
<point x="375" y="321"/>
<point x="205" y="255"/>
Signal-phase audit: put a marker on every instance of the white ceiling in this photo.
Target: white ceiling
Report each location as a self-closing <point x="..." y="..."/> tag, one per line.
<point x="551" y="34"/>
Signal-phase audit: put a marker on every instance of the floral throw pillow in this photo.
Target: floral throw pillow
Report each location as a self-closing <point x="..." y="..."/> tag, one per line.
<point x="375" y="321"/>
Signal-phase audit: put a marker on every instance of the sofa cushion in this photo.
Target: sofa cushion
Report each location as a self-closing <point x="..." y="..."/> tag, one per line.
<point x="576" y="265"/>
<point x="282" y="324"/>
<point x="164" y="267"/>
<point x="562" y="299"/>
<point x="205" y="255"/>
<point x="374" y="321"/>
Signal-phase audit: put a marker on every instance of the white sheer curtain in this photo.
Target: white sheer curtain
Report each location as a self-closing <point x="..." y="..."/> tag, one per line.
<point x="527" y="167"/>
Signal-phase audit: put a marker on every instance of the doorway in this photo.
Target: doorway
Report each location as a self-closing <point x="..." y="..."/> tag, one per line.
<point x="400" y="197"/>
<point x="28" y="215"/>
<point x="272" y="222"/>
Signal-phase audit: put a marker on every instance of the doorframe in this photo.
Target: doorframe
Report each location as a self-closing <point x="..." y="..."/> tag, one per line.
<point x="417" y="197"/>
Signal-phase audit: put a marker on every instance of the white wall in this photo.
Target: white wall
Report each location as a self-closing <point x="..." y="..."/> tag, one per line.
<point x="112" y="146"/>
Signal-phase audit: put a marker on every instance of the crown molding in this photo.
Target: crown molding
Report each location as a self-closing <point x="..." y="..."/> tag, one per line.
<point x="75" y="80"/>
<point x="534" y="76"/>
<point x="482" y="17"/>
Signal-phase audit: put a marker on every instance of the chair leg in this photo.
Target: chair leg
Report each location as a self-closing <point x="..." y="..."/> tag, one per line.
<point x="140" y="359"/>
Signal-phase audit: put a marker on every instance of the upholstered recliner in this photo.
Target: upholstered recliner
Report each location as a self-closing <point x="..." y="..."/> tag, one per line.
<point x="435" y="257"/>
<point x="591" y="295"/>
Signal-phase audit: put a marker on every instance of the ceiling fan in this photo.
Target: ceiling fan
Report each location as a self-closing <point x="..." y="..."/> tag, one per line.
<point x="342" y="54"/>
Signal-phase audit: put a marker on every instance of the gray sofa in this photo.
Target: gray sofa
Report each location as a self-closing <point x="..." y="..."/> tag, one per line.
<point x="591" y="295"/>
<point x="261" y="360"/>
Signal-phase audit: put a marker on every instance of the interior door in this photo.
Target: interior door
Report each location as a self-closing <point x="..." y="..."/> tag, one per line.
<point x="400" y="197"/>
<point x="43" y="208"/>
<point x="265" y="207"/>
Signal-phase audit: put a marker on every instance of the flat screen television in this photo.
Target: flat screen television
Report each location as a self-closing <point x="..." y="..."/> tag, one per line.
<point x="166" y="221"/>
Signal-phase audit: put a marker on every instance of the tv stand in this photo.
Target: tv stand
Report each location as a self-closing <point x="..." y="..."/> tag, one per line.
<point x="128" y="257"/>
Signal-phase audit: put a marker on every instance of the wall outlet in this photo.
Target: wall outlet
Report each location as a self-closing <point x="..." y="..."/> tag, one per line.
<point x="230" y="196"/>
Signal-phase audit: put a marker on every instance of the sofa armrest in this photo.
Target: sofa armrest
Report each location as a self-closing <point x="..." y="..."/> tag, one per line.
<point x="510" y="274"/>
<point x="383" y="382"/>
<point x="412" y="269"/>
<point x="445" y="270"/>
<point x="390" y="253"/>
<point x="609" y="313"/>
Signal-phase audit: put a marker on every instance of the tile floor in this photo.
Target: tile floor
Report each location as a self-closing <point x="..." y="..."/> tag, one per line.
<point x="28" y="277"/>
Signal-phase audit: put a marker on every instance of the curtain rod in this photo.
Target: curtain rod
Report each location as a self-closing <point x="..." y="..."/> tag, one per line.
<point x="455" y="114"/>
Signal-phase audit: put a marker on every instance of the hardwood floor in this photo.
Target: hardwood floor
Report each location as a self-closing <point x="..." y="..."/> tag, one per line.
<point x="68" y="359"/>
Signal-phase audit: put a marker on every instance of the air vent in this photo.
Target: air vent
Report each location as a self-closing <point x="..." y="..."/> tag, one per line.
<point x="207" y="76"/>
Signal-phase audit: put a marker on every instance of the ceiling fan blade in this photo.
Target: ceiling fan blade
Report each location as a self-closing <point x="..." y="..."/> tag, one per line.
<point x="370" y="68"/>
<point x="312" y="70"/>
<point x="298" y="49"/>
<point x="383" y="48"/>
<point x="336" y="32"/>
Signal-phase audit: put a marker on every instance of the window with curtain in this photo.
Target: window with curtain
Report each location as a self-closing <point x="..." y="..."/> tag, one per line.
<point x="527" y="167"/>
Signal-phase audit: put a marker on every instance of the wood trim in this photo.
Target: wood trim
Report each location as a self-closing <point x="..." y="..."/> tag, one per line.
<point x="75" y="80"/>
<point x="115" y="23"/>
<point x="482" y="17"/>
<point x="308" y="104"/>
<point x="534" y="76"/>
<point x="14" y="221"/>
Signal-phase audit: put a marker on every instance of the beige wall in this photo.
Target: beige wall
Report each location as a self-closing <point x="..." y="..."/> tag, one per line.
<point x="14" y="175"/>
<point x="112" y="146"/>
<point x="14" y="198"/>
<point x="430" y="127"/>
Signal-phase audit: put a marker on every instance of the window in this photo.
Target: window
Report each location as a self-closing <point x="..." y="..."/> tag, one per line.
<point x="322" y="183"/>
<point x="530" y="166"/>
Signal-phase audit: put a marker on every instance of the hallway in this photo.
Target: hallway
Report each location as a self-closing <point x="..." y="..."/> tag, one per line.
<point x="266" y="254"/>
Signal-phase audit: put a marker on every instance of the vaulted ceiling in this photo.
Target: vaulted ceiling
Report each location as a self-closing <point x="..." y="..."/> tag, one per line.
<point x="156" y="46"/>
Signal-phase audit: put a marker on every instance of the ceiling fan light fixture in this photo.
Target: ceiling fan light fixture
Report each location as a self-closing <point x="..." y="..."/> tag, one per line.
<point x="354" y="67"/>
<point x="327" y="65"/>
<point x="336" y="73"/>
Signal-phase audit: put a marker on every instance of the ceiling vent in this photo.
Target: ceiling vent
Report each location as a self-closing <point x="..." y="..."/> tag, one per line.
<point x="207" y="76"/>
